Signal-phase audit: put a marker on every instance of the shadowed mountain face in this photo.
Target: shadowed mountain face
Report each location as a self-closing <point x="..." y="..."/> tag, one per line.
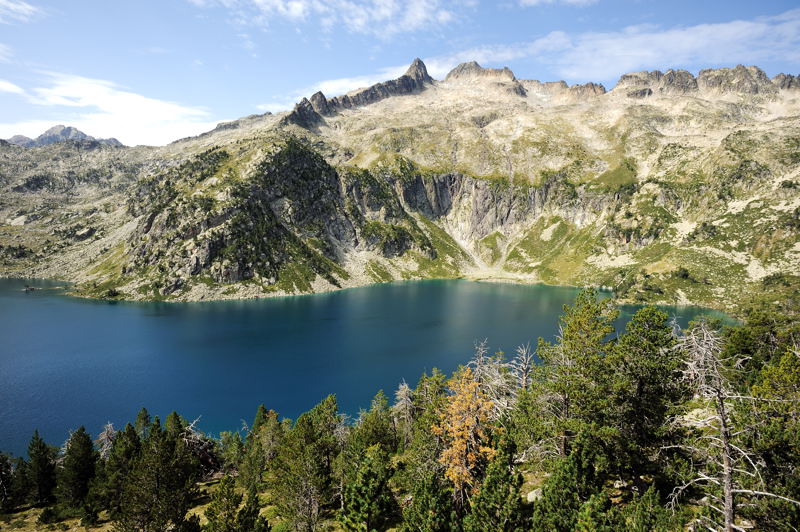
<point x="669" y="188"/>
<point x="60" y="134"/>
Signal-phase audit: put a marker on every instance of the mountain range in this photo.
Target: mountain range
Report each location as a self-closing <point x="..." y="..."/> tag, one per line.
<point x="668" y="188"/>
<point x="59" y="134"/>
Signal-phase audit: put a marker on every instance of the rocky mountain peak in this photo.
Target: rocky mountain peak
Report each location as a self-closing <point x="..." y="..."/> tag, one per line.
<point x="741" y="79"/>
<point x="418" y="71"/>
<point x="22" y="140"/>
<point x="310" y="113"/>
<point x="647" y="83"/>
<point x="472" y="70"/>
<point x="60" y="133"/>
<point x="786" y="81"/>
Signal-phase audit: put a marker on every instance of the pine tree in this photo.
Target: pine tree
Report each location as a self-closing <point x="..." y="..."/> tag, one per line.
<point x="498" y="504"/>
<point x="430" y="509"/>
<point x="41" y="470"/>
<point x="224" y="507"/>
<point x="259" y="420"/>
<point x="6" y="483"/>
<point x="77" y="470"/>
<point x="261" y="446"/>
<point x="302" y="468"/>
<point x="647" y="514"/>
<point x="142" y="422"/>
<point x="124" y="452"/>
<point x="20" y="483"/>
<point x="597" y="515"/>
<point x="367" y="499"/>
<point x="248" y="519"/>
<point x="161" y="486"/>
<point x="232" y="450"/>
<point x="644" y="386"/>
<point x="174" y="425"/>
<point x="574" y="371"/>
<point x="557" y="509"/>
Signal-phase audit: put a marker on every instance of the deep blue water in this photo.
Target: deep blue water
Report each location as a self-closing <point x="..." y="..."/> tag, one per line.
<point x="66" y="362"/>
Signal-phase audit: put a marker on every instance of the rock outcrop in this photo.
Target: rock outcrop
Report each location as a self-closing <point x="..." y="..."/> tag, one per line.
<point x="560" y="92"/>
<point x="472" y="70"/>
<point x="647" y="83"/>
<point x="309" y="113"/>
<point x="786" y="81"/>
<point x="740" y="79"/>
<point x="22" y="140"/>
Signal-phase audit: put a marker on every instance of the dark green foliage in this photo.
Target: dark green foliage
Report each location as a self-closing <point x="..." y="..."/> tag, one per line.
<point x="647" y="514"/>
<point x="303" y="466"/>
<point x="777" y="441"/>
<point x="161" y="486"/>
<point x="142" y="422"/>
<point x="557" y="509"/>
<point x="174" y="425"/>
<point x="41" y="470"/>
<point x="259" y="421"/>
<point x="430" y="508"/>
<point x="248" y="518"/>
<point x="20" y="483"/>
<point x="498" y="504"/>
<point x="598" y="515"/>
<point x="643" y="367"/>
<point x="77" y="470"/>
<point x="6" y="483"/>
<point x="261" y="445"/>
<point x="574" y="377"/>
<point x="119" y="464"/>
<point x="367" y="500"/>
<point x="232" y="450"/>
<point x="224" y="507"/>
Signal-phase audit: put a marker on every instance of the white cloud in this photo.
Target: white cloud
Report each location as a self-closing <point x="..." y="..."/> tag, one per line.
<point x="5" y="53"/>
<point x="603" y="56"/>
<point x="568" y="2"/>
<point x="7" y="86"/>
<point x="606" y="55"/>
<point x="333" y="87"/>
<point x="102" y="109"/>
<point x="382" y="18"/>
<point x="17" y="11"/>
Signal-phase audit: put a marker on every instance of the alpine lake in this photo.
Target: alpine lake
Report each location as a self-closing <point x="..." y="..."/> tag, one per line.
<point x="66" y="362"/>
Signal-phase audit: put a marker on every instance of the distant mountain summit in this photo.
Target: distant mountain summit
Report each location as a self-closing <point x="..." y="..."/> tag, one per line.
<point x="60" y="133"/>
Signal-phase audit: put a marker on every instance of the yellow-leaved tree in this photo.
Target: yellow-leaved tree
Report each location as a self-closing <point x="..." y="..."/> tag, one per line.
<point x="463" y="428"/>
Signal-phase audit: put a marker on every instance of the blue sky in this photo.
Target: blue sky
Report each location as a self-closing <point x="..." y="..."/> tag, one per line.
<point x="149" y="72"/>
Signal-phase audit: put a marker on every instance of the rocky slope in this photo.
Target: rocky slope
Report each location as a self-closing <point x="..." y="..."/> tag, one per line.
<point x="668" y="188"/>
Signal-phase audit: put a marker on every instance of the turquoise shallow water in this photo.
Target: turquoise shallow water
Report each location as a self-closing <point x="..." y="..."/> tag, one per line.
<point x="66" y="361"/>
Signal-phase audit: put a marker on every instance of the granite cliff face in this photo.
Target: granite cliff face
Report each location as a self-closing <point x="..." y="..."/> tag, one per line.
<point x="668" y="188"/>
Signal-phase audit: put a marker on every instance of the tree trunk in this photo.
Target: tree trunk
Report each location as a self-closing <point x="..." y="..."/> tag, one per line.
<point x="727" y="466"/>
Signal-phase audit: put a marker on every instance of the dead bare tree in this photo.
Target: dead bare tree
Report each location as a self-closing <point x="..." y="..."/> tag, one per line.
<point x="105" y="440"/>
<point x="522" y="366"/>
<point x="495" y="379"/>
<point x="403" y="411"/>
<point x="715" y="443"/>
